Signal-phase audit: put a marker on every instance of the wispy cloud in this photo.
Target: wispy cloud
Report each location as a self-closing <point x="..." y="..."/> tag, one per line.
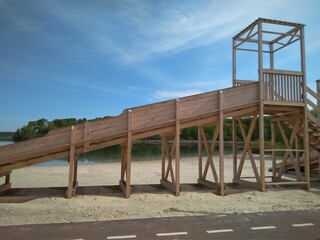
<point x="135" y="30"/>
<point x="167" y="94"/>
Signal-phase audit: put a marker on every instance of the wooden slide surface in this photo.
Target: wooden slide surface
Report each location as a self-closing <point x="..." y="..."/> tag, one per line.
<point x="149" y="120"/>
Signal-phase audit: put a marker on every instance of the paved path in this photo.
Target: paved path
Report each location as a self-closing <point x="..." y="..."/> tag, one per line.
<point x="277" y="225"/>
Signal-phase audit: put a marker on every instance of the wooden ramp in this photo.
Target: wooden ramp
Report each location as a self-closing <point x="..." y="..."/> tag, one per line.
<point x="166" y="118"/>
<point x="140" y="122"/>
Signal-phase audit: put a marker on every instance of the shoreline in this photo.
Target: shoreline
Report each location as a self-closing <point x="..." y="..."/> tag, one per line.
<point x="98" y="197"/>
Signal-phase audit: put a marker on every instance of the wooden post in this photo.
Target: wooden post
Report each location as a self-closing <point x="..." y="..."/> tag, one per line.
<point x="123" y="163"/>
<point x="318" y="101"/>
<point x="261" y="109"/>
<point x="199" y="153"/>
<point x="128" y="155"/>
<point x="305" y="112"/>
<point x="234" y="63"/>
<point x="234" y="148"/>
<point x="177" y="145"/>
<point x="163" y="154"/>
<point x="70" y="190"/>
<point x="274" y="160"/>
<point x="221" y="144"/>
<point x="7" y="184"/>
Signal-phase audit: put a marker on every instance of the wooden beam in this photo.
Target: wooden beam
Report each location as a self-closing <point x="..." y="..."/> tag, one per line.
<point x="199" y="153"/>
<point x="5" y="187"/>
<point x="70" y="189"/>
<point x="128" y="156"/>
<point x="177" y="145"/>
<point x="210" y="152"/>
<point x="221" y="145"/>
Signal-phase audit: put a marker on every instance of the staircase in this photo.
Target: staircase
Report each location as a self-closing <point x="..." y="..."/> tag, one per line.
<point x="313" y="136"/>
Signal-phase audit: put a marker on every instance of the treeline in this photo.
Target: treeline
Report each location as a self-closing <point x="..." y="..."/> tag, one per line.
<point x="6" y="136"/>
<point x="42" y="126"/>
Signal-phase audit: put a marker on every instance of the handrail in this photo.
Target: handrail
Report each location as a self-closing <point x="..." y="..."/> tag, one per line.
<point x="313" y="94"/>
<point x="284" y="72"/>
<point x="315" y="107"/>
<point x="282" y="85"/>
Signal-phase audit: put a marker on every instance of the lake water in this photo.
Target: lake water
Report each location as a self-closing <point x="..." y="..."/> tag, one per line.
<point x="142" y="151"/>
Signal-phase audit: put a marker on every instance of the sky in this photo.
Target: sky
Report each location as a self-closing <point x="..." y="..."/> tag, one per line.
<point x="89" y="59"/>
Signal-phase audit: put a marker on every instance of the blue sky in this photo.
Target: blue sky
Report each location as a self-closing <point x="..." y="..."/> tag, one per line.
<point x="89" y="59"/>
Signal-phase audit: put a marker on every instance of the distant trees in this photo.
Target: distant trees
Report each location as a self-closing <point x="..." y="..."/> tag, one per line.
<point x="42" y="126"/>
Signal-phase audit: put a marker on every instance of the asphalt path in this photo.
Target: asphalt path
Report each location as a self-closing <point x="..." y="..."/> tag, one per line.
<point x="272" y="225"/>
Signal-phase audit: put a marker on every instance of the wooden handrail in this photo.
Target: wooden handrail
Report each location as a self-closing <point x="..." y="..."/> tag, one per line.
<point x="312" y="93"/>
<point x="284" y="72"/>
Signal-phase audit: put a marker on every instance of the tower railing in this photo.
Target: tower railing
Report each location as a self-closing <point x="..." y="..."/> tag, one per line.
<point x="280" y="85"/>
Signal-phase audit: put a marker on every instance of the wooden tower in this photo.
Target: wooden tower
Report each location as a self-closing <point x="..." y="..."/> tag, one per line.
<point x="282" y="95"/>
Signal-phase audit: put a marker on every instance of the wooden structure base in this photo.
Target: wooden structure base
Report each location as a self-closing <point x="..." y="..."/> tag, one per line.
<point x="280" y="94"/>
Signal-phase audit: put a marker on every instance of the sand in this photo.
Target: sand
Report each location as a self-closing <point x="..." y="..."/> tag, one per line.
<point x="99" y="198"/>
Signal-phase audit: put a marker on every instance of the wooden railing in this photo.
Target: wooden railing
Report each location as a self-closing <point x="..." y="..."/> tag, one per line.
<point x="313" y="106"/>
<point x="283" y="85"/>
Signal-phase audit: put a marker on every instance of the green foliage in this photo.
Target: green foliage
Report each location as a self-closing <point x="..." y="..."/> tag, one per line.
<point x="42" y="126"/>
<point x="6" y="136"/>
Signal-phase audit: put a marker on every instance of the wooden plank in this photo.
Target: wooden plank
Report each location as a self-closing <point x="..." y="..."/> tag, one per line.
<point x="249" y="151"/>
<point x="209" y="184"/>
<point x="71" y="163"/>
<point x="286" y="183"/>
<point x="221" y="144"/>
<point x="154" y="121"/>
<point x="167" y="185"/>
<point x="163" y="156"/>
<point x="177" y="151"/>
<point x="86" y="137"/>
<point x="5" y="187"/>
<point x="128" y="156"/>
<point x="199" y="153"/>
<point x="246" y="146"/>
<point x="210" y="152"/>
<point x="30" y="148"/>
<point x="199" y="99"/>
<point x="34" y="161"/>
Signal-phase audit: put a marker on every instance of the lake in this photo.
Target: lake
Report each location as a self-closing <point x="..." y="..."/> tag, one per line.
<point x="141" y="151"/>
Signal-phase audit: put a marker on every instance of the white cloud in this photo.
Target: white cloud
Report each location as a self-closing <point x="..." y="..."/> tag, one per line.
<point x="166" y="94"/>
<point x="133" y="31"/>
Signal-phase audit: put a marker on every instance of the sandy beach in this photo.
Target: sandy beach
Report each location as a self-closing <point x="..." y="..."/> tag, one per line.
<point x="98" y="196"/>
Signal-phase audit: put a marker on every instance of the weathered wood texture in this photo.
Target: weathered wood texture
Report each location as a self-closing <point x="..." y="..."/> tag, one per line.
<point x="148" y="120"/>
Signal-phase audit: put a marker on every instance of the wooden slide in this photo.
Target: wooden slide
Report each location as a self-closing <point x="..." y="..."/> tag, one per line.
<point x="145" y="121"/>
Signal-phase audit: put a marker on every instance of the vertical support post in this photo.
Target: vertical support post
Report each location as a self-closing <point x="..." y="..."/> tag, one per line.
<point x="305" y="114"/>
<point x="273" y="140"/>
<point x="234" y="62"/>
<point x="261" y="109"/>
<point x="221" y="144"/>
<point x="234" y="148"/>
<point x="200" y="152"/>
<point x="177" y="145"/>
<point x="318" y="101"/>
<point x="123" y="162"/>
<point x="163" y="161"/>
<point x="271" y="80"/>
<point x="7" y="179"/>
<point x="75" y="177"/>
<point x="128" y="155"/>
<point x="7" y="185"/>
<point x="70" y="190"/>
